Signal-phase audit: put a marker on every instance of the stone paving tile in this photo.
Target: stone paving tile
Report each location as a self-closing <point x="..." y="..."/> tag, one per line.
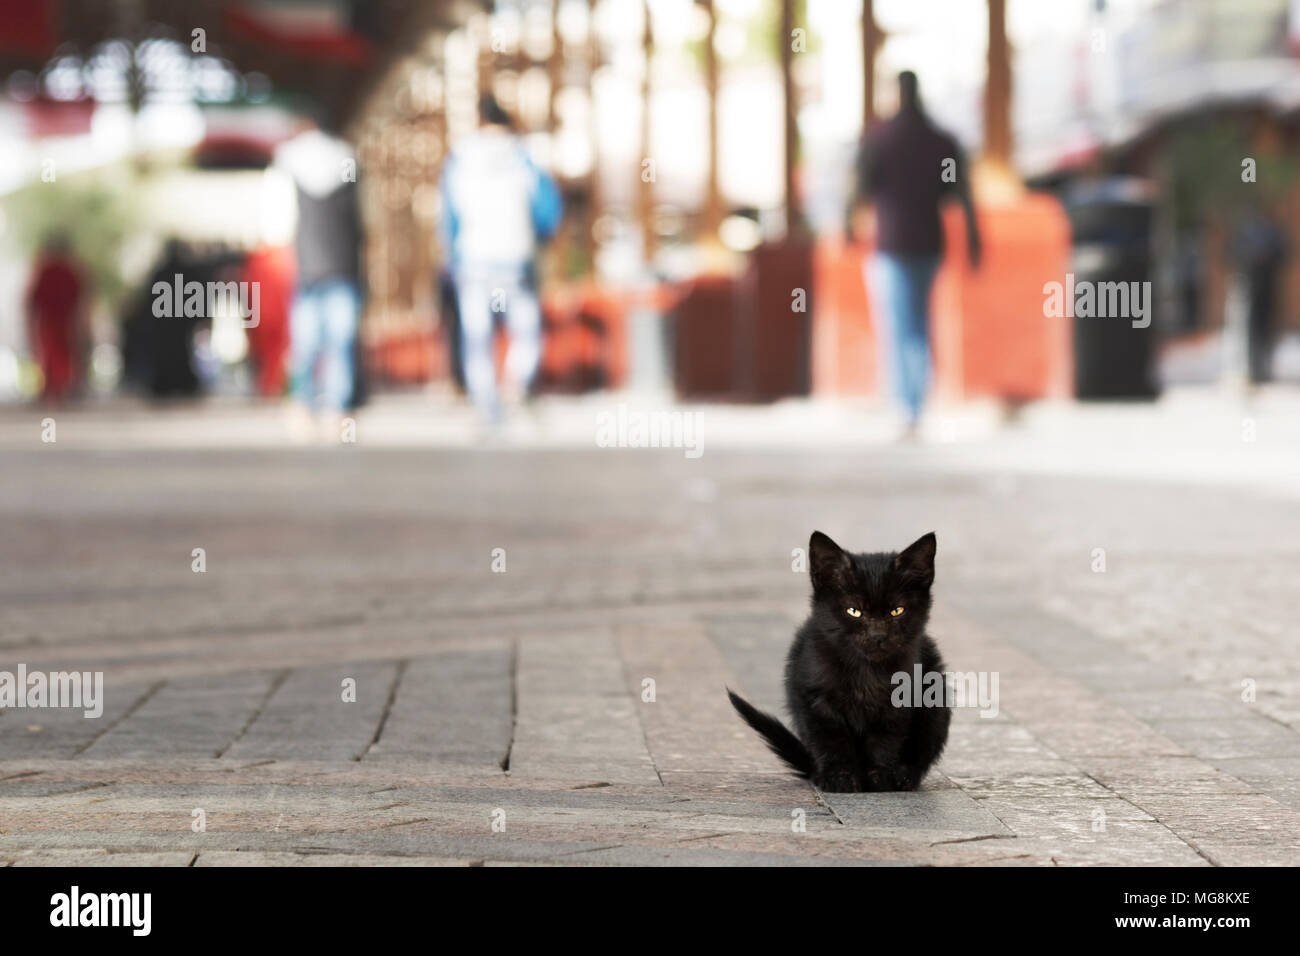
<point x="1279" y="699"/>
<point x="1222" y="825"/>
<point x="63" y="732"/>
<point x="1128" y="843"/>
<point x="456" y="707"/>
<point x="271" y="773"/>
<point x="1110" y="736"/>
<point x="1040" y="814"/>
<point x="1139" y="777"/>
<point x="754" y="646"/>
<point x="495" y="846"/>
<point x="95" y="857"/>
<point x="1279" y="777"/>
<point x="773" y="786"/>
<point x="1016" y="781"/>
<point x="392" y="849"/>
<point x="166" y="822"/>
<point x="1179" y="704"/>
<point x="308" y="717"/>
<point x="1226" y="738"/>
<point x="523" y="842"/>
<point x="948" y="812"/>
<point x="690" y="726"/>
<point x="255" y="858"/>
<point x="195" y="717"/>
<point x="575" y="721"/>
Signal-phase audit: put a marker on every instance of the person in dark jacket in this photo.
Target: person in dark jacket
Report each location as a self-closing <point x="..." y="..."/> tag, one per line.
<point x="906" y="168"/>
<point x="1259" y="249"/>
<point x="325" y="313"/>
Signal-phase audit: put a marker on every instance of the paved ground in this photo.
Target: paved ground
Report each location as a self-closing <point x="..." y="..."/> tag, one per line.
<point x="499" y="716"/>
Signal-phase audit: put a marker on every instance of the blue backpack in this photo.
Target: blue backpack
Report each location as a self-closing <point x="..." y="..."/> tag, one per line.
<point x="547" y="205"/>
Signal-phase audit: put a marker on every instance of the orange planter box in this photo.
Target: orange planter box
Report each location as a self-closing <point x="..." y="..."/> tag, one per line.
<point x="844" y="359"/>
<point x="584" y="343"/>
<point x="988" y="331"/>
<point x="410" y="358"/>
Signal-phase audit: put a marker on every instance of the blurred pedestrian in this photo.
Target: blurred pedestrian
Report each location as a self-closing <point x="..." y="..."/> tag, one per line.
<point x="270" y="267"/>
<point x="166" y="352"/>
<point x="1259" y="248"/>
<point x="906" y="168"/>
<point x="55" y="300"/>
<point x="498" y="207"/>
<point x="326" y="307"/>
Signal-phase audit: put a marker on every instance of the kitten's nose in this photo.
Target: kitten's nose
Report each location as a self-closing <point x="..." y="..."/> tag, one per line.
<point x="876" y="632"/>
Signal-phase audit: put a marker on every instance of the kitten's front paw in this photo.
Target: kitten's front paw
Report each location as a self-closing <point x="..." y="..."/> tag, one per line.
<point x="837" y="781"/>
<point x="888" y="779"/>
<point x="906" y="778"/>
<point x="878" y="780"/>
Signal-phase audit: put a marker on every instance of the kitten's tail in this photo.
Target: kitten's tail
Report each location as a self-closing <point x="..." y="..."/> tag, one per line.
<point x="780" y="740"/>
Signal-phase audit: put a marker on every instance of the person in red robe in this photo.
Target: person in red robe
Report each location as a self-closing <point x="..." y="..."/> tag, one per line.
<point x="54" y="302"/>
<point x="272" y="268"/>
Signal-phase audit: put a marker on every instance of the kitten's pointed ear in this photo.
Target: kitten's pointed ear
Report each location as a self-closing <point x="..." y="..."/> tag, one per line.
<point x="916" y="561"/>
<point x="828" y="564"/>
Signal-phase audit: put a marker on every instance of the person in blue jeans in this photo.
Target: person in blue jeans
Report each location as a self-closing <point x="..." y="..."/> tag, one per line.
<point x="322" y="336"/>
<point x="906" y="168"/>
<point x="325" y="313"/>
<point x="902" y="285"/>
<point x="498" y="208"/>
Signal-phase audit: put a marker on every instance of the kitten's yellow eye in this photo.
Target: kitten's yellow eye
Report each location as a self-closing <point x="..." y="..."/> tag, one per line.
<point x="853" y="612"/>
<point x="896" y="612"/>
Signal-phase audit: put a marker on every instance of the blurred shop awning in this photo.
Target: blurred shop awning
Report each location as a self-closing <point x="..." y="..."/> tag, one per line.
<point x="332" y="51"/>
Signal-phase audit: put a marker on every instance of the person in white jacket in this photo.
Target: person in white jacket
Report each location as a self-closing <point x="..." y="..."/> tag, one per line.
<point x="498" y="208"/>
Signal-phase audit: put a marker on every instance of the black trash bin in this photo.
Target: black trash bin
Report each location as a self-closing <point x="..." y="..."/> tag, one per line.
<point x="1111" y="221"/>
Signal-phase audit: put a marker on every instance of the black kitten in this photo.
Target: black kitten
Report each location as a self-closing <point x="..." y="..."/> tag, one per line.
<point x="867" y="624"/>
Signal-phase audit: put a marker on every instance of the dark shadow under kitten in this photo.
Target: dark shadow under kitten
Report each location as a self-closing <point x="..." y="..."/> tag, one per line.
<point x="867" y="624"/>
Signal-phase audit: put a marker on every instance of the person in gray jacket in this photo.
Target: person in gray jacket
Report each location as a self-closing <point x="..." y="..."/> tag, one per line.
<point x="324" y="317"/>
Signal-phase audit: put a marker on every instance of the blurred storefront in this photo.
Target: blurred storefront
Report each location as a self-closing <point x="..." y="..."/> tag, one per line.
<point x="1201" y="99"/>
